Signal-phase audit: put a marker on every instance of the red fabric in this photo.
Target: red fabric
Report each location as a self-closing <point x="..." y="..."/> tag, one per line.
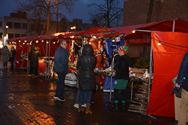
<point x="166" y="25"/>
<point x="94" y="30"/>
<point x="167" y="59"/>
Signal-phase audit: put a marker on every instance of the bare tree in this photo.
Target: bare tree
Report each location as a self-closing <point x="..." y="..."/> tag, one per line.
<point x="150" y="11"/>
<point x="106" y="12"/>
<point x="45" y="9"/>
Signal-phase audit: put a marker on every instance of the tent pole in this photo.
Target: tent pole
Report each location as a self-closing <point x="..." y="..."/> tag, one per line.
<point x="150" y="70"/>
<point x="174" y="25"/>
<point x="46" y="54"/>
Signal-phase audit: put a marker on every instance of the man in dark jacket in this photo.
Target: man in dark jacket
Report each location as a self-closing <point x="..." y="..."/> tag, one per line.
<point x="86" y="77"/>
<point x="61" y="68"/>
<point x="182" y="80"/>
<point x="121" y="68"/>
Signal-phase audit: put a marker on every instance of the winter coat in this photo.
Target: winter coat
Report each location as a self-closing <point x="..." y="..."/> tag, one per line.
<point x="121" y="67"/>
<point x="5" y="54"/>
<point x="182" y="77"/>
<point x="61" y="60"/>
<point x="85" y="66"/>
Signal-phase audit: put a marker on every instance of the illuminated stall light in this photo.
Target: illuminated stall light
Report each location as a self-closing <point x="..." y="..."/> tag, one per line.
<point x="158" y="43"/>
<point x="94" y="37"/>
<point x="47" y="42"/>
<point x="133" y="31"/>
<point x="37" y="41"/>
<point x="41" y="61"/>
<point x="113" y="40"/>
<point x="71" y="37"/>
<point x="42" y="41"/>
<point x="25" y="41"/>
<point x="19" y="41"/>
<point x="13" y="42"/>
<point x="53" y="42"/>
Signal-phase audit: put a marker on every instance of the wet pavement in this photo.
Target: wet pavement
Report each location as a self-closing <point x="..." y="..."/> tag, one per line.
<point x="28" y="100"/>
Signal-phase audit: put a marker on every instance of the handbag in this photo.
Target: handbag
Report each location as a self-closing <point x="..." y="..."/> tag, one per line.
<point x="176" y="90"/>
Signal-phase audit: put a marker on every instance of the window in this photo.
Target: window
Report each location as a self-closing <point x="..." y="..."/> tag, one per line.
<point x="23" y="35"/>
<point x="17" y="35"/>
<point x="24" y="26"/>
<point x="17" y="25"/>
<point x="32" y="26"/>
<point x="10" y="35"/>
<point x="9" y="24"/>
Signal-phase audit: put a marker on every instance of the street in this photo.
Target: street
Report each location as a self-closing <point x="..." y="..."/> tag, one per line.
<point x="28" y="100"/>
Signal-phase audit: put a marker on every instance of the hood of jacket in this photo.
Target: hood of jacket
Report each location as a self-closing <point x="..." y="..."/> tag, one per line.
<point x="87" y="50"/>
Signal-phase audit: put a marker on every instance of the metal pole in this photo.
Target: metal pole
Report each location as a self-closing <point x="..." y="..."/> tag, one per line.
<point x="46" y="55"/>
<point x="49" y="73"/>
<point x="150" y="70"/>
<point x="174" y="25"/>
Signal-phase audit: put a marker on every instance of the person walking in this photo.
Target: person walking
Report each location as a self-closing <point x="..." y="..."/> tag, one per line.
<point x="86" y="77"/>
<point x="121" y="67"/>
<point x="182" y="81"/>
<point x="5" y="57"/>
<point x="61" y="68"/>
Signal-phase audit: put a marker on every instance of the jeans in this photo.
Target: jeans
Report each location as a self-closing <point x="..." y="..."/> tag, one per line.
<point x="85" y="97"/>
<point x="77" y="96"/>
<point x="60" y="85"/>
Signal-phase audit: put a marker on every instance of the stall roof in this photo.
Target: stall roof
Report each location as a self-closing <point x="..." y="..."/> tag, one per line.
<point x="166" y="25"/>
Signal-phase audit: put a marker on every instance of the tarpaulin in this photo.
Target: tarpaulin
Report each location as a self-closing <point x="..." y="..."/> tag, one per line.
<point x="168" y="51"/>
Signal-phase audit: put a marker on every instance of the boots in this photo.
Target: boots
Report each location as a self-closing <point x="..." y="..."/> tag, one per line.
<point x="88" y="109"/>
<point x="116" y="105"/>
<point x="123" y="102"/>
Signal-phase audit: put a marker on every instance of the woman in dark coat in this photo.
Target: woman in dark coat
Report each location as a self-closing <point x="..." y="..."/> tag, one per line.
<point x="86" y="77"/>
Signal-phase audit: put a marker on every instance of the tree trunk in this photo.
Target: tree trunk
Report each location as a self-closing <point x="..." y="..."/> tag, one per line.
<point x="49" y="18"/>
<point x="150" y="11"/>
<point x="57" y="16"/>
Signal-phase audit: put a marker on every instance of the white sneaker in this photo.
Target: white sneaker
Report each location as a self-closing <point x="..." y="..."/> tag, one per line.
<point x="84" y="105"/>
<point x="59" y="99"/>
<point x="76" y="105"/>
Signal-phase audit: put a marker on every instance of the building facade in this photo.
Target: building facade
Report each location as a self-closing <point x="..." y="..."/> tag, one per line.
<point x="144" y="11"/>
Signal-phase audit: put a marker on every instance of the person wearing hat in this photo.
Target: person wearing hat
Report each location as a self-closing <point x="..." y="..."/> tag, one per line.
<point x="121" y="67"/>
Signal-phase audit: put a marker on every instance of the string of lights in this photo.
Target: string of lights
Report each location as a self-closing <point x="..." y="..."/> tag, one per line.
<point x="171" y="45"/>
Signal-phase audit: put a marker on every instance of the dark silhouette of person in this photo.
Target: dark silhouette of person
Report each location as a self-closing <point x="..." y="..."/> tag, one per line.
<point x="5" y="57"/>
<point x="61" y="68"/>
<point x="122" y="64"/>
<point x="13" y="58"/>
<point x="33" y="60"/>
<point x="86" y="77"/>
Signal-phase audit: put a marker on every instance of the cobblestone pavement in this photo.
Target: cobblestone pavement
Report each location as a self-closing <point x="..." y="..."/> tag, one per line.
<point x="28" y="100"/>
